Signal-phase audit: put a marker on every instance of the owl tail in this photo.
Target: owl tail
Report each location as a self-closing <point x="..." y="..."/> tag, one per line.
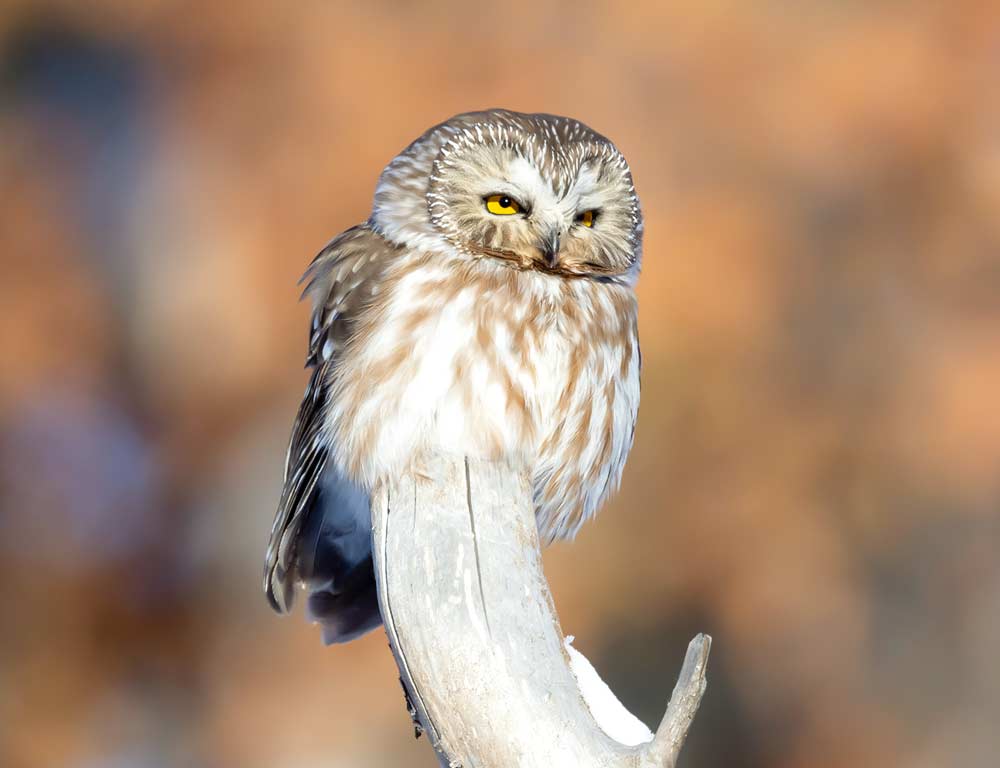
<point x="335" y="561"/>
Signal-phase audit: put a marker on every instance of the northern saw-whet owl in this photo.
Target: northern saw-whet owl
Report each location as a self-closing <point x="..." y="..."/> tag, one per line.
<point x="486" y="308"/>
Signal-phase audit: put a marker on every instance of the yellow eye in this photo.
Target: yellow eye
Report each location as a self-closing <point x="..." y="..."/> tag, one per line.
<point x="502" y="205"/>
<point x="587" y="218"/>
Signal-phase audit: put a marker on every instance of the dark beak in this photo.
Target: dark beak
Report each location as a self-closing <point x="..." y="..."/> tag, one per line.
<point x="550" y="246"/>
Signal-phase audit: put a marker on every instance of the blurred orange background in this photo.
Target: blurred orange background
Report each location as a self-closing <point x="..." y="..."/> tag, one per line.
<point x="816" y="475"/>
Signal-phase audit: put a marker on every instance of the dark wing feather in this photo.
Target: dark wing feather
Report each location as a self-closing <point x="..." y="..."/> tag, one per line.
<point x="339" y="281"/>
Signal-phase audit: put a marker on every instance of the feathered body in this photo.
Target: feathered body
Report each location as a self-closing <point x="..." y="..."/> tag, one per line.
<point x="438" y="326"/>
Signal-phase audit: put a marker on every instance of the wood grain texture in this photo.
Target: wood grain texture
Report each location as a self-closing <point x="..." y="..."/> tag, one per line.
<point x="471" y="623"/>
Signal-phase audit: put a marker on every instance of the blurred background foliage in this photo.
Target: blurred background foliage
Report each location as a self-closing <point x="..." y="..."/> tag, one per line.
<point x="816" y="476"/>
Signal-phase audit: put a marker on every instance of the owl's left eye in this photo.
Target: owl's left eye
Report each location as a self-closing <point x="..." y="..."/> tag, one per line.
<point x="586" y="218"/>
<point x="502" y="205"/>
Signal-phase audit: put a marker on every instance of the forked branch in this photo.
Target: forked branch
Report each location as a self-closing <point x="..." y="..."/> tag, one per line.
<point x="471" y="624"/>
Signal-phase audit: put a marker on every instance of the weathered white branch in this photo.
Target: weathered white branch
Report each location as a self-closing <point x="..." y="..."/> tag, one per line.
<point x="472" y="626"/>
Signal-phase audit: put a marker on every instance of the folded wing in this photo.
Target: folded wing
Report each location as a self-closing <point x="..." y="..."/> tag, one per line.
<point x="322" y="531"/>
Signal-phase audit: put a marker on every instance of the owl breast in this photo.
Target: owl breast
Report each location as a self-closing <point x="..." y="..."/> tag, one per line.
<point x="477" y="358"/>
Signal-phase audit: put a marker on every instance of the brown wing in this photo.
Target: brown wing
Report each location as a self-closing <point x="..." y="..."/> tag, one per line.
<point x="339" y="281"/>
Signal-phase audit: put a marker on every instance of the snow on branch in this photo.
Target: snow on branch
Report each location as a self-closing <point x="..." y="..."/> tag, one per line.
<point x="474" y="632"/>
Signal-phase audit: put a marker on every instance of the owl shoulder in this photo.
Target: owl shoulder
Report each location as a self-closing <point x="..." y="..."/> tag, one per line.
<point x="340" y="282"/>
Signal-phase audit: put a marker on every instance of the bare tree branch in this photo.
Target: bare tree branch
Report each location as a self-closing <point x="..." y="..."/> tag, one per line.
<point x="472" y="626"/>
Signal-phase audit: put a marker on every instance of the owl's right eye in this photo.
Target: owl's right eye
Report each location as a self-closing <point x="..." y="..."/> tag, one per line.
<point x="502" y="205"/>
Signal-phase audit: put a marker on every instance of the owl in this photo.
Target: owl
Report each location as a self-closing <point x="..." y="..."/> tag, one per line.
<point x="487" y="308"/>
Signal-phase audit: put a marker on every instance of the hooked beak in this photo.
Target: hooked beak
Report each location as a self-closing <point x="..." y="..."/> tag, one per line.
<point x="549" y="245"/>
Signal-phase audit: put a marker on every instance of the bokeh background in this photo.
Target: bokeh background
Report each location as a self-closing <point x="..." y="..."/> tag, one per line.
<point x="816" y="475"/>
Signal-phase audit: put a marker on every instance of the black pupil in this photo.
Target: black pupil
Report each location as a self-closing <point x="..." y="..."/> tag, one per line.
<point x="504" y="202"/>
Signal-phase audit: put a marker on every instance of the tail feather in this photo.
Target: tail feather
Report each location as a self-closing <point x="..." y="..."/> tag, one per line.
<point x="335" y="561"/>
<point x="327" y="547"/>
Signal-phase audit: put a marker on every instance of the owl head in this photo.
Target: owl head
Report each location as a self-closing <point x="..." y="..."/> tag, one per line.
<point x="539" y="191"/>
